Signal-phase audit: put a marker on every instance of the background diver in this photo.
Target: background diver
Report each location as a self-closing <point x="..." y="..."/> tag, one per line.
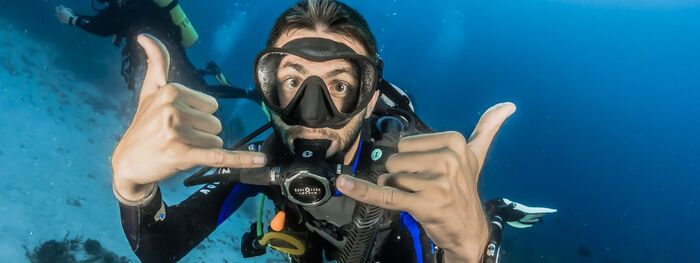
<point x="165" y="19"/>
<point x="349" y="162"/>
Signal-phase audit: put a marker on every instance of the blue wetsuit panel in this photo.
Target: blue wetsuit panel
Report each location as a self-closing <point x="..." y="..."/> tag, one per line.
<point x="235" y="199"/>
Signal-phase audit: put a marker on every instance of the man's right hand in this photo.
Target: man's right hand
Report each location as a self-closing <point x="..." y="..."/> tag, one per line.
<point x="174" y="129"/>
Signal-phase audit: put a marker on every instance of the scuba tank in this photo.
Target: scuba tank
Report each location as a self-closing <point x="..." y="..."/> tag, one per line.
<point x="187" y="32"/>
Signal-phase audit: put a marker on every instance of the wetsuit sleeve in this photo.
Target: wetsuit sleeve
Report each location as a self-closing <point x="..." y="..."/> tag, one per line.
<point x="105" y="23"/>
<point x="161" y="233"/>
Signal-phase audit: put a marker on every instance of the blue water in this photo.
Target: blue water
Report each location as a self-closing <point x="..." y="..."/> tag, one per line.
<point x="606" y="129"/>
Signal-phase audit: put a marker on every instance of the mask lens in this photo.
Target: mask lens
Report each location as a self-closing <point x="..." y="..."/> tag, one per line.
<point x="266" y="76"/>
<point x="345" y="81"/>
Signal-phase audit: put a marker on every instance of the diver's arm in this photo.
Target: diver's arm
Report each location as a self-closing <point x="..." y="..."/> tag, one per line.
<point x="173" y="130"/>
<point x="105" y="23"/>
<point x="161" y="233"/>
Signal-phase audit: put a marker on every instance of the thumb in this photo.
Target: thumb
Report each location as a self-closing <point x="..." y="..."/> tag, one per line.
<point x="158" y="64"/>
<point x="488" y="126"/>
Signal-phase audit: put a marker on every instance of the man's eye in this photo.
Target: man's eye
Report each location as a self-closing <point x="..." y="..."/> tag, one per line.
<point x="292" y="83"/>
<point x="341" y="88"/>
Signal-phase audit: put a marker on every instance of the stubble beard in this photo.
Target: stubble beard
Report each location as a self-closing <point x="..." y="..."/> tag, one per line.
<point x="343" y="138"/>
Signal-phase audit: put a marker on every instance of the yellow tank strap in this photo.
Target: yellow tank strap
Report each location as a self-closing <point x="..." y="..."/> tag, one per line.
<point x="298" y="249"/>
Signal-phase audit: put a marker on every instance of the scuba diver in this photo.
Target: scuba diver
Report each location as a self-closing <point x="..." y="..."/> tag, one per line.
<point x="354" y="175"/>
<point x="165" y="19"/>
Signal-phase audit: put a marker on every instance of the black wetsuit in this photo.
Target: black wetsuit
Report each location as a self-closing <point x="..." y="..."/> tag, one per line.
<point x="168" y="235"/>
<point x="125" y="20"/>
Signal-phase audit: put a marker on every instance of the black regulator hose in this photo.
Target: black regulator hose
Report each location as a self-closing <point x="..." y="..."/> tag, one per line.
<point x="367" y="218"/>
<point x="200" y="178"/>
<point x="231" y="92"/>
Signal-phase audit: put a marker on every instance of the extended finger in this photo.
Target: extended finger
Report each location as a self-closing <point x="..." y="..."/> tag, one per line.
<point x="382" y="196"/>
<point x="158" y="64"/>
<point x="195" y="99"/>
<point x="225" y="158"/>
<point x="488" y="126"/>
<point x="437" y="161"/>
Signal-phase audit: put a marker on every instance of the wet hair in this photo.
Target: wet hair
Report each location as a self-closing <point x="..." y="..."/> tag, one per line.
<point x="334" y="15"/>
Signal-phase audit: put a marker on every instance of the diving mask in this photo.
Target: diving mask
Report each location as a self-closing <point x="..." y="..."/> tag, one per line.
<point x="302" y="98"/>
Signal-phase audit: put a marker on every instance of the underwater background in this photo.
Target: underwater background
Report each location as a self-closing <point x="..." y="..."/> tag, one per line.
<point x="606" y="129"/>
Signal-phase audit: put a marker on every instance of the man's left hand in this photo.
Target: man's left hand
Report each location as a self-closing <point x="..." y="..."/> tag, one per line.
<point x="434" y="178"/>
<point x="64" y="14"/>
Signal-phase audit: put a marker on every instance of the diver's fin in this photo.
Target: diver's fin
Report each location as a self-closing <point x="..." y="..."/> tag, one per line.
<point x="534" y="210"/>
<point x="531" y="218"/>
<point x="517" y="224"/>
<point x="529" y="210"/>
<point x="522" y="216"/>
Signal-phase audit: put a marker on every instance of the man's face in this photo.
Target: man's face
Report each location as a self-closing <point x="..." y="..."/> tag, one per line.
<point x="342" y="80"/>
<point x="340" y="77"/>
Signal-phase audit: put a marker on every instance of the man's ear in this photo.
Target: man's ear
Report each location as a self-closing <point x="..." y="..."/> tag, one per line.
<point x="371" y="104"/>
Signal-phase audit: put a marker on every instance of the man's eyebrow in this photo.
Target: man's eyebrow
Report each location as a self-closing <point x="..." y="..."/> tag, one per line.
<point x="297" y="67"/>
<point x="336" y="72"/>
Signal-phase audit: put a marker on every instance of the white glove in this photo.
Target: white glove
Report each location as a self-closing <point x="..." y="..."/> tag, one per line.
<point x="64" y="14"/>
